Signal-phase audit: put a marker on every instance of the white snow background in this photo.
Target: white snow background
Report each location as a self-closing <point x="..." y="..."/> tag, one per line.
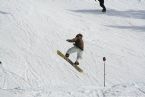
<point x="31" y="31"/>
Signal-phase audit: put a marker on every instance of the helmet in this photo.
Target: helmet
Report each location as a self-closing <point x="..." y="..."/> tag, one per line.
<point x="79" y="35"/>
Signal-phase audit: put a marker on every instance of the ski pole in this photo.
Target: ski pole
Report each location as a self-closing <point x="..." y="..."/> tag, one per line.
<point x="104" y="59"/>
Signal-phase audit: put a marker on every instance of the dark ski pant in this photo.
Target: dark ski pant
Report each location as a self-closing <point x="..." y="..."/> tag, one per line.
<point x="102" y="4"/>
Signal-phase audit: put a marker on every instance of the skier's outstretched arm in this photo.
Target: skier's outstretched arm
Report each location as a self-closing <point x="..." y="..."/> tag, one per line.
<point x="71" y="40"/>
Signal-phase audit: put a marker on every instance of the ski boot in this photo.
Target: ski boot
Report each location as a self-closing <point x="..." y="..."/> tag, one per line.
<point x="66" y="56"/>
<point x="104" y="10"/>
<point x="76" y="63"/>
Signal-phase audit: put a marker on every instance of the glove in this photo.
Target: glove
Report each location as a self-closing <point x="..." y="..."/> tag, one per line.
<point x="68" y="40"/>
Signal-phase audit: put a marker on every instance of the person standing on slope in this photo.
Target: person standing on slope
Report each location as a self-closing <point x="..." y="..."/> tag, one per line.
<point x="102" y="5"/>
<point x="78" y="47"/>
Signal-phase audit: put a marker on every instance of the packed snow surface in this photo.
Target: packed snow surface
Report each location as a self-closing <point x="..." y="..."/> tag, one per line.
<point x="31" y="31"/>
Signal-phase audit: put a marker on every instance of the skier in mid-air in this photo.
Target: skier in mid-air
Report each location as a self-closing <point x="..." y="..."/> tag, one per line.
<point x="102" y="5"/>
<point x="78" y="47"/>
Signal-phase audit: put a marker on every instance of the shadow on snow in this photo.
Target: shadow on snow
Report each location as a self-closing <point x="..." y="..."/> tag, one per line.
<point x="2" y="12"/>
<point x="137" y="14"/>
<point x="137" y="28"/>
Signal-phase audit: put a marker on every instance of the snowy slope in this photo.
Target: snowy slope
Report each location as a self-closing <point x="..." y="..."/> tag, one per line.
<point x="32" y="30"/>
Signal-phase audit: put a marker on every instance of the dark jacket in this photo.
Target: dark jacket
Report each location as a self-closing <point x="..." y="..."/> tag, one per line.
<point x="78" y="42"/>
